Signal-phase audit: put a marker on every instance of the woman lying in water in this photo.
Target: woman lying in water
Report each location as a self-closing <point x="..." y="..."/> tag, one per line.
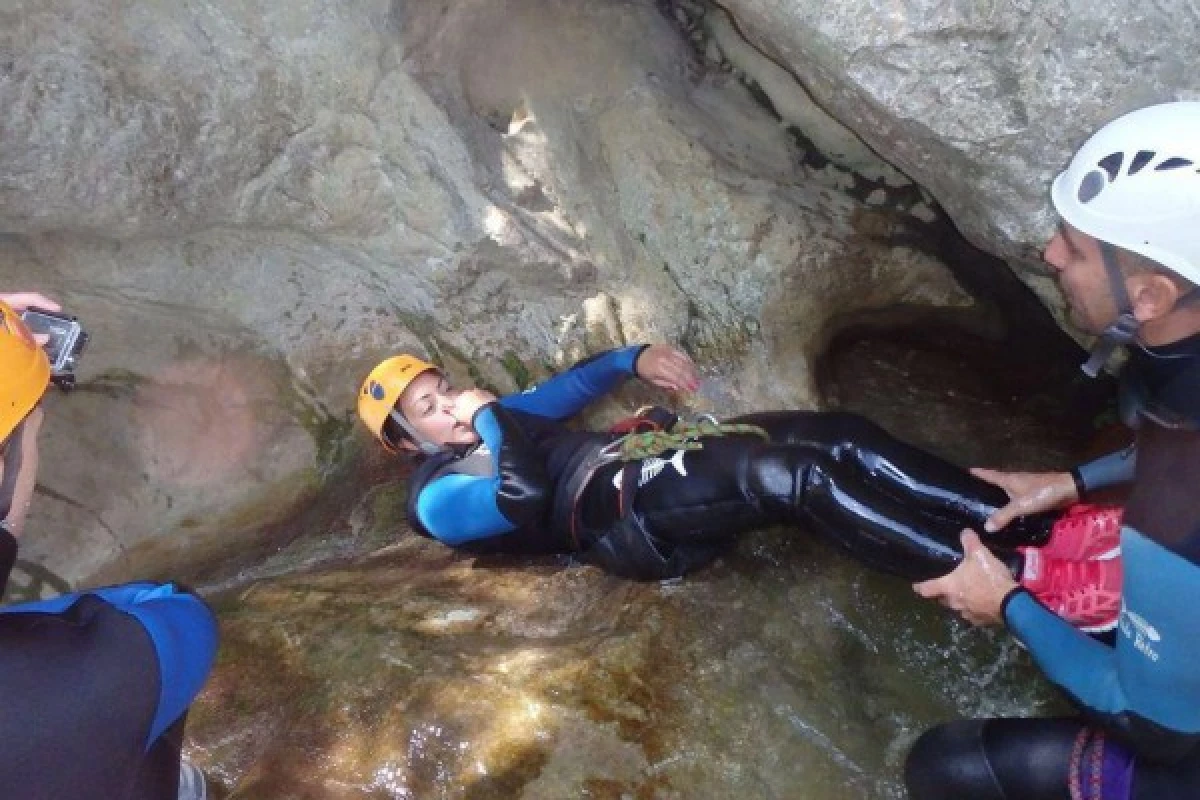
<point x="660" y="497"/>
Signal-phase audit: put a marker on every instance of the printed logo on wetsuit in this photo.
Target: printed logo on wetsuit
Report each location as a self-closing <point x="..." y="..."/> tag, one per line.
<point x="652" y="467"/>
<point x="1143" y="635"/>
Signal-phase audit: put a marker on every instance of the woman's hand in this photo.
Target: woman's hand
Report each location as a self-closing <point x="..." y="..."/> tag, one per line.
<point x="468" y="403"/>
<point x="1028" y="493"/>
<point x="667" y="368"/>
<point x="976" y="588"/>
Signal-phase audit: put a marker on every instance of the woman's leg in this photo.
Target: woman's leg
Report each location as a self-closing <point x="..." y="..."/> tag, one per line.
<point x="740" y="482"/>
<point x="906" y="472"/>
<point x="701" y="494"/>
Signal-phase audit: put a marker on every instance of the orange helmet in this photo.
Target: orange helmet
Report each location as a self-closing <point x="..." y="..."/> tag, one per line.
<point x="381" y="391"/>
<point x="24" y="370"/>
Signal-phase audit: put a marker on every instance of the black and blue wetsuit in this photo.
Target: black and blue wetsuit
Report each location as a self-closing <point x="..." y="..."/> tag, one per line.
<point x="94" y="689"/>
<point x="1142" y="694"/>
<point x="894" y="506"/>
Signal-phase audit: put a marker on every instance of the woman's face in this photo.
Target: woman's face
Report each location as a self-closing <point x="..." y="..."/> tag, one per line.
<point x="428" y="405"/>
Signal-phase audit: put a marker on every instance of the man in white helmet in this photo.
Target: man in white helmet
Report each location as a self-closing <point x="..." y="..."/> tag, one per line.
<point x="1127" y="256"/>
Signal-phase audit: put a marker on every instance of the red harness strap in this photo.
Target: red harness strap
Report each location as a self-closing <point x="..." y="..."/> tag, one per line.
<point x="647" y="419"/>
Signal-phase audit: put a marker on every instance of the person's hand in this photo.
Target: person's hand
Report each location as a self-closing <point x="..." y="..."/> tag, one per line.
<point x="27" y="459"/>
<point x="976" y="588"/>
<point x="33" y="425"/>
<point x="1028" y="493"/>
<point x="667" y="368"/>
<point x="470" y="401"/>
<point x="19" y="301"/>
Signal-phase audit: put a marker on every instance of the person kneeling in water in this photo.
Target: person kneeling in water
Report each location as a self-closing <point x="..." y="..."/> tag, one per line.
<point x="95" y="685"/>
<point x="661" y="497"/>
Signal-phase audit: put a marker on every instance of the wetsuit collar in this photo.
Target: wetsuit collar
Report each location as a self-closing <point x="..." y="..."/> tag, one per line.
<point x="1163" y="384"/>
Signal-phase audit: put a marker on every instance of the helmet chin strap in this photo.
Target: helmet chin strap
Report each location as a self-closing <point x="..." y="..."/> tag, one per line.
<point x="1124" y="328"/>
<point x="424" y="445"/>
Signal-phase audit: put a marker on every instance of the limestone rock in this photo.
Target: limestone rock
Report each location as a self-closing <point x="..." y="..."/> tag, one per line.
<point x="981" y="103"/>
<point x="795" y="107"/>
<point x="248" y="204"/>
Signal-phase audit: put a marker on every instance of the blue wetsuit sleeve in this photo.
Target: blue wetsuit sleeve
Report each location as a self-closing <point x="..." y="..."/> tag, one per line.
<point x="459" y="508"/>
<point x="1110" y="470"/>
<point x="569" y="392"/>
<point x="1145" y="688"/>
<point x="1074" y="661"/>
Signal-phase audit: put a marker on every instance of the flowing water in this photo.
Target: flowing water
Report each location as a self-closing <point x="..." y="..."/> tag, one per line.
<point x="376" y="664"/>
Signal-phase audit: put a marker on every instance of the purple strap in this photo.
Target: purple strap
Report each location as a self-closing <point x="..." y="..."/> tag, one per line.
<point x="1100" y="769"/>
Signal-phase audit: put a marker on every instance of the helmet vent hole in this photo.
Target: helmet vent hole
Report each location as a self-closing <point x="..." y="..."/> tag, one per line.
<point x="1093" y="184"/>
<point x="1142" y="158"/>
<point x="1111" y="164"/>
<point x="1173" y="163"/>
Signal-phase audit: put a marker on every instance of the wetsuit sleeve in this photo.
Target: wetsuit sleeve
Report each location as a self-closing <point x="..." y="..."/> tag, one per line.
<point x="1110" y="470"/>
<point x="8" y="556"/>
<point x="569" y="392"/>
<point x="1145" y="688"/>
<point x="461" y="508"/>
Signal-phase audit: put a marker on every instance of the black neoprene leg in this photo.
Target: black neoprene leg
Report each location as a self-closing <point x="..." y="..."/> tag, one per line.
<point x="881" y="531"/>
<point x="712" y="501"/>
<point x="909" y="474"/>
<point x="1024" y="759"/>
<point x="1176" y="781"/>
<point x="995" y="759"/>
<point x="738" y="483"/>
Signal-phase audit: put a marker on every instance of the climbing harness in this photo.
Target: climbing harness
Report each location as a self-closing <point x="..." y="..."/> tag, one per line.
<point x="648" y="434"/>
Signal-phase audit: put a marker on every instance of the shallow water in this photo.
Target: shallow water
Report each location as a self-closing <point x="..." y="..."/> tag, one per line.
<point x="397" y="669"/>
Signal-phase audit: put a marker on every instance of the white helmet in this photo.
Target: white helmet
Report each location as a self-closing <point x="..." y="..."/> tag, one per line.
<point x="1136" y="184"/>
